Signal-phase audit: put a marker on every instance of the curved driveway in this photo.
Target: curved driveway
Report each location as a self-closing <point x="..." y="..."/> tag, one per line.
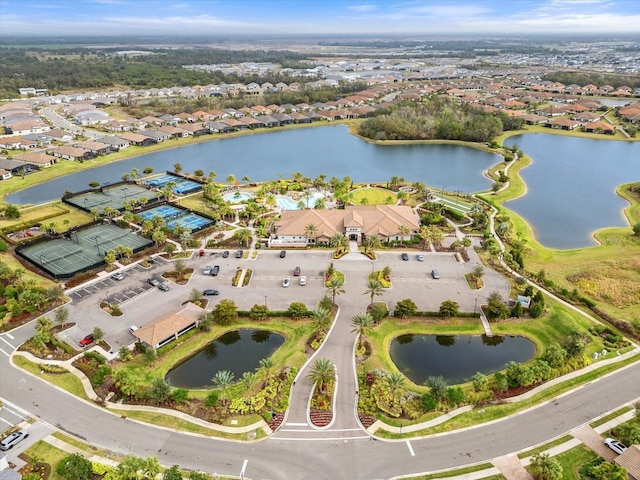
<point x="343" y="451"/>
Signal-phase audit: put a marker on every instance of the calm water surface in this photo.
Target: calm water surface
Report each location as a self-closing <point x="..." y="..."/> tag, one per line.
<point x="238" y="351"/>
<point x="571" y="186"/>
<point x="313" y="151"/>
<point x="456" y="357"/>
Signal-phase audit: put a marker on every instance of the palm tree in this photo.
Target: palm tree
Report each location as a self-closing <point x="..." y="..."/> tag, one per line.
<point x="266" y="366"/>
<point x="320" y="204"/>
<point x="247" y="379"/>
<point x="334" y="288"/>
<point x="177" y="167"/>
<point x="223" y="379"/>
<point x="322" y="372"/>
<point x="403" y="230"/>
<point x="231" y="179"/>
<point x="374" y="289"/>
<point x="394" y="381"/>
<point x="244" y="236"/>
<point x="321" y="318"/>
<point x="371" y="243"/>
<point x="466" y="243"/>
<point x="361" y="324"/>
<point x="271" y="200"/>
<point x="435" y="235"/>
<point x="310" y="231"/>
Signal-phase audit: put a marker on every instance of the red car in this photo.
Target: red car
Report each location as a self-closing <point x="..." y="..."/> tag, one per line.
<point x="88" y="340"/>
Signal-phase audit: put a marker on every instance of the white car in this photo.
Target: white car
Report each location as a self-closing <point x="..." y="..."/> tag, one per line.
<point x="303" y="280"/>
<point x="207" y="270"/>
<point x="615" y="445"/>
<point x="133" y="328"/>
<point x="9" y="441"/>
<point x="420" y="257"/>
<point x="286" y="282"/>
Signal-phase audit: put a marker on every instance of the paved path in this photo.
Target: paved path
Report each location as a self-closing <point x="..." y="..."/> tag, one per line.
<point x="594" y="441"/>
<point x="511" y="468"/>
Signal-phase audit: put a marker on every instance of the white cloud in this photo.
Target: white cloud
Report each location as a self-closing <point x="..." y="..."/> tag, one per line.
<point x="361" y="8"/>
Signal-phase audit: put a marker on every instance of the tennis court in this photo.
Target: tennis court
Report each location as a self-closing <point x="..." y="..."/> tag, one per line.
<point x="113" y="196"/>
<point x="183" y="185"/>
<point x="83" y="250"/>
<point x="174" y="217"/>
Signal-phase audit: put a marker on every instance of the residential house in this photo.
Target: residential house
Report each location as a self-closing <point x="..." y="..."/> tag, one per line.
<point x="137" y="139"/>
<point x="630" y="459"/>
<point x="283" y="118"/>
<point x="5" y="174"/>
<point x="174" y="132"/>
<point x="116" y="143"/>
<point x="72" y="153"/>
<point x="600" y="127"/>
<point x="156" y="135"/>
<point x="563" y="124"/>
<point x="195" y="129"/>
<point x="95" y="147"/>
<point x="219" y="127"/>
<point x="37" y="160"/>
<point x="27" y="126"/>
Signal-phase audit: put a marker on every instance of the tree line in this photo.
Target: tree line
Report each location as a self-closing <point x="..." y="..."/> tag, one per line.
<point x="436" y="118"/>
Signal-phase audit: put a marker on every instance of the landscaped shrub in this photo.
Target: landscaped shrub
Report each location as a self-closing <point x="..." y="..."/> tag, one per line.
<point x="429" y="403"/>
<point x="405" y="308"/>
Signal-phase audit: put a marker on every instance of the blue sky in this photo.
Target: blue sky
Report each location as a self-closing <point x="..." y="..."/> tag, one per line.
<point x="211" y="17"/>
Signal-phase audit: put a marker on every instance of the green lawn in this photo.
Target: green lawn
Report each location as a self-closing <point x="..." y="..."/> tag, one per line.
<point x="373" y="196"/>
<point x="47" y="453"/>
<point x="66" y="381"/>
<point x="573" y="459"/>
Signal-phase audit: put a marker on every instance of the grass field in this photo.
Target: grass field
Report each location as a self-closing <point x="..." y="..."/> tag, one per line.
<point x="373" y="196"/>
<point x="62" y="215"/>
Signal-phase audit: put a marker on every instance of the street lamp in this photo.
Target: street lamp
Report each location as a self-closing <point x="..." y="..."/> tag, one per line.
<point x="95" y="238"/>
<point x="124" y="191"/>
<point x="475" y="307"/>
<point x="265" y="301"/>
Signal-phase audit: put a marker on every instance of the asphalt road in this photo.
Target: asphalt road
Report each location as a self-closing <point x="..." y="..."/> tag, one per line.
<point x="342" y="451"/>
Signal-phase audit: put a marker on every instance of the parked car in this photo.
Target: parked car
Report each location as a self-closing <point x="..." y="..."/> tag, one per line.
<point x="303" y="280"/>
<point x="13" y="439"/>
<point x="88" y="340"/>
<point x="615" y="445"/>
<point x="207" y="270"/>
<point x="215" y="270"/>
<point x="225" y="254"/>
<point x="283" y="253"/>
<point x="286" y="282"/>
<point x="210" y="291"/>
<point x="117" y="276"/>
<point x="420" y="257"/>
<point x="405" y="257"/>
<point x="164" y="287"/>
<point x="154" y="282"/>
<point x="201" y="253"/>
<point x="238" y="253"/>
<point x="435" y="274"/>
<point x="133" y="328"/>
<point x="296" y="272"/>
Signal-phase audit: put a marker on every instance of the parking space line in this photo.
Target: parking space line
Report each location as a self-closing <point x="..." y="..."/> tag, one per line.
<point x="10" y="336"/>
<point x="2" y="338"/>
<point x="1" y="350"/>
<point x="413" y="454"/>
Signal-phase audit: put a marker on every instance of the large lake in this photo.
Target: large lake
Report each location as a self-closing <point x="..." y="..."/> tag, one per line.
<point x="571" y="186"/>
<point x="313" y="151"/>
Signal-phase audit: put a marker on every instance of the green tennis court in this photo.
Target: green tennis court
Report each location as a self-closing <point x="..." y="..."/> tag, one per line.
<point x="85" y="249"/>
<point x="113" y="196"/>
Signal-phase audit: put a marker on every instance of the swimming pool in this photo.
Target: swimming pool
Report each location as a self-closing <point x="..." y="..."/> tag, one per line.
<point x="236" y="197"/>
<point x="287" y="203"/>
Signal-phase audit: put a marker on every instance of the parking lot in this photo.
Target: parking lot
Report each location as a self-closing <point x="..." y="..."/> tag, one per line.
<point x="141" y="303"/>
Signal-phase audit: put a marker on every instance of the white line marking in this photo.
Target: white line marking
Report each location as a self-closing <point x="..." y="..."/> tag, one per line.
<point x="1" y="350"/>
<point x="413" y="454"/>
<point x="2" y="338"/>
<point x="15" y="413"/>
<point x="297" y="424"/>
<point x="322" y="439"/>
<point x="9" y="335"/>
<point x="8" y="423"/>
<point x="244" y="467"/>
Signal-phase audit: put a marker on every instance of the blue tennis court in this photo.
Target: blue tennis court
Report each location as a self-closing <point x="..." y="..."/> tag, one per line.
<point x="174" y="217"/>
<point x="182" y="184"/>
<point x="167" y="212"/>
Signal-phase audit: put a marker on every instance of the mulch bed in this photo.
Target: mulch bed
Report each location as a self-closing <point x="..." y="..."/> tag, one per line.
<point x="276" y="421"/>
<point x="366" y="420"/>
<point x="321" y="418"/>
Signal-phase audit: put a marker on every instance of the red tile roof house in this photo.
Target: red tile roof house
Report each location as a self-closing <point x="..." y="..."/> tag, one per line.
<point x="599" y="127"/>
<point x="175" y="132"/>
<point x="563" y="124"/>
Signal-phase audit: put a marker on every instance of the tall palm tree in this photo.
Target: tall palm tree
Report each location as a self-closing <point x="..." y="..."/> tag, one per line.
<point x="271" y="200"/>
<point x="321" y="318"/>
<point x="322" y="372"/>
<point x="306" y="196"/>
<point x="394" y="381"/>
<point x="320" y="204"/>
<point x="223" y="380"/>
<point x="374" y="289"/>
<point x="310" y="231"/>
<point x="334" y="288"/>
<point x="266" y="366"/>
<point x="231" y="179"/>
<point x="435" y="235"/>
<point x="244" y="236"/>
<point x="403" y="230"/>
<point x="361" y="323"/>
<point x="371" y="243"/>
